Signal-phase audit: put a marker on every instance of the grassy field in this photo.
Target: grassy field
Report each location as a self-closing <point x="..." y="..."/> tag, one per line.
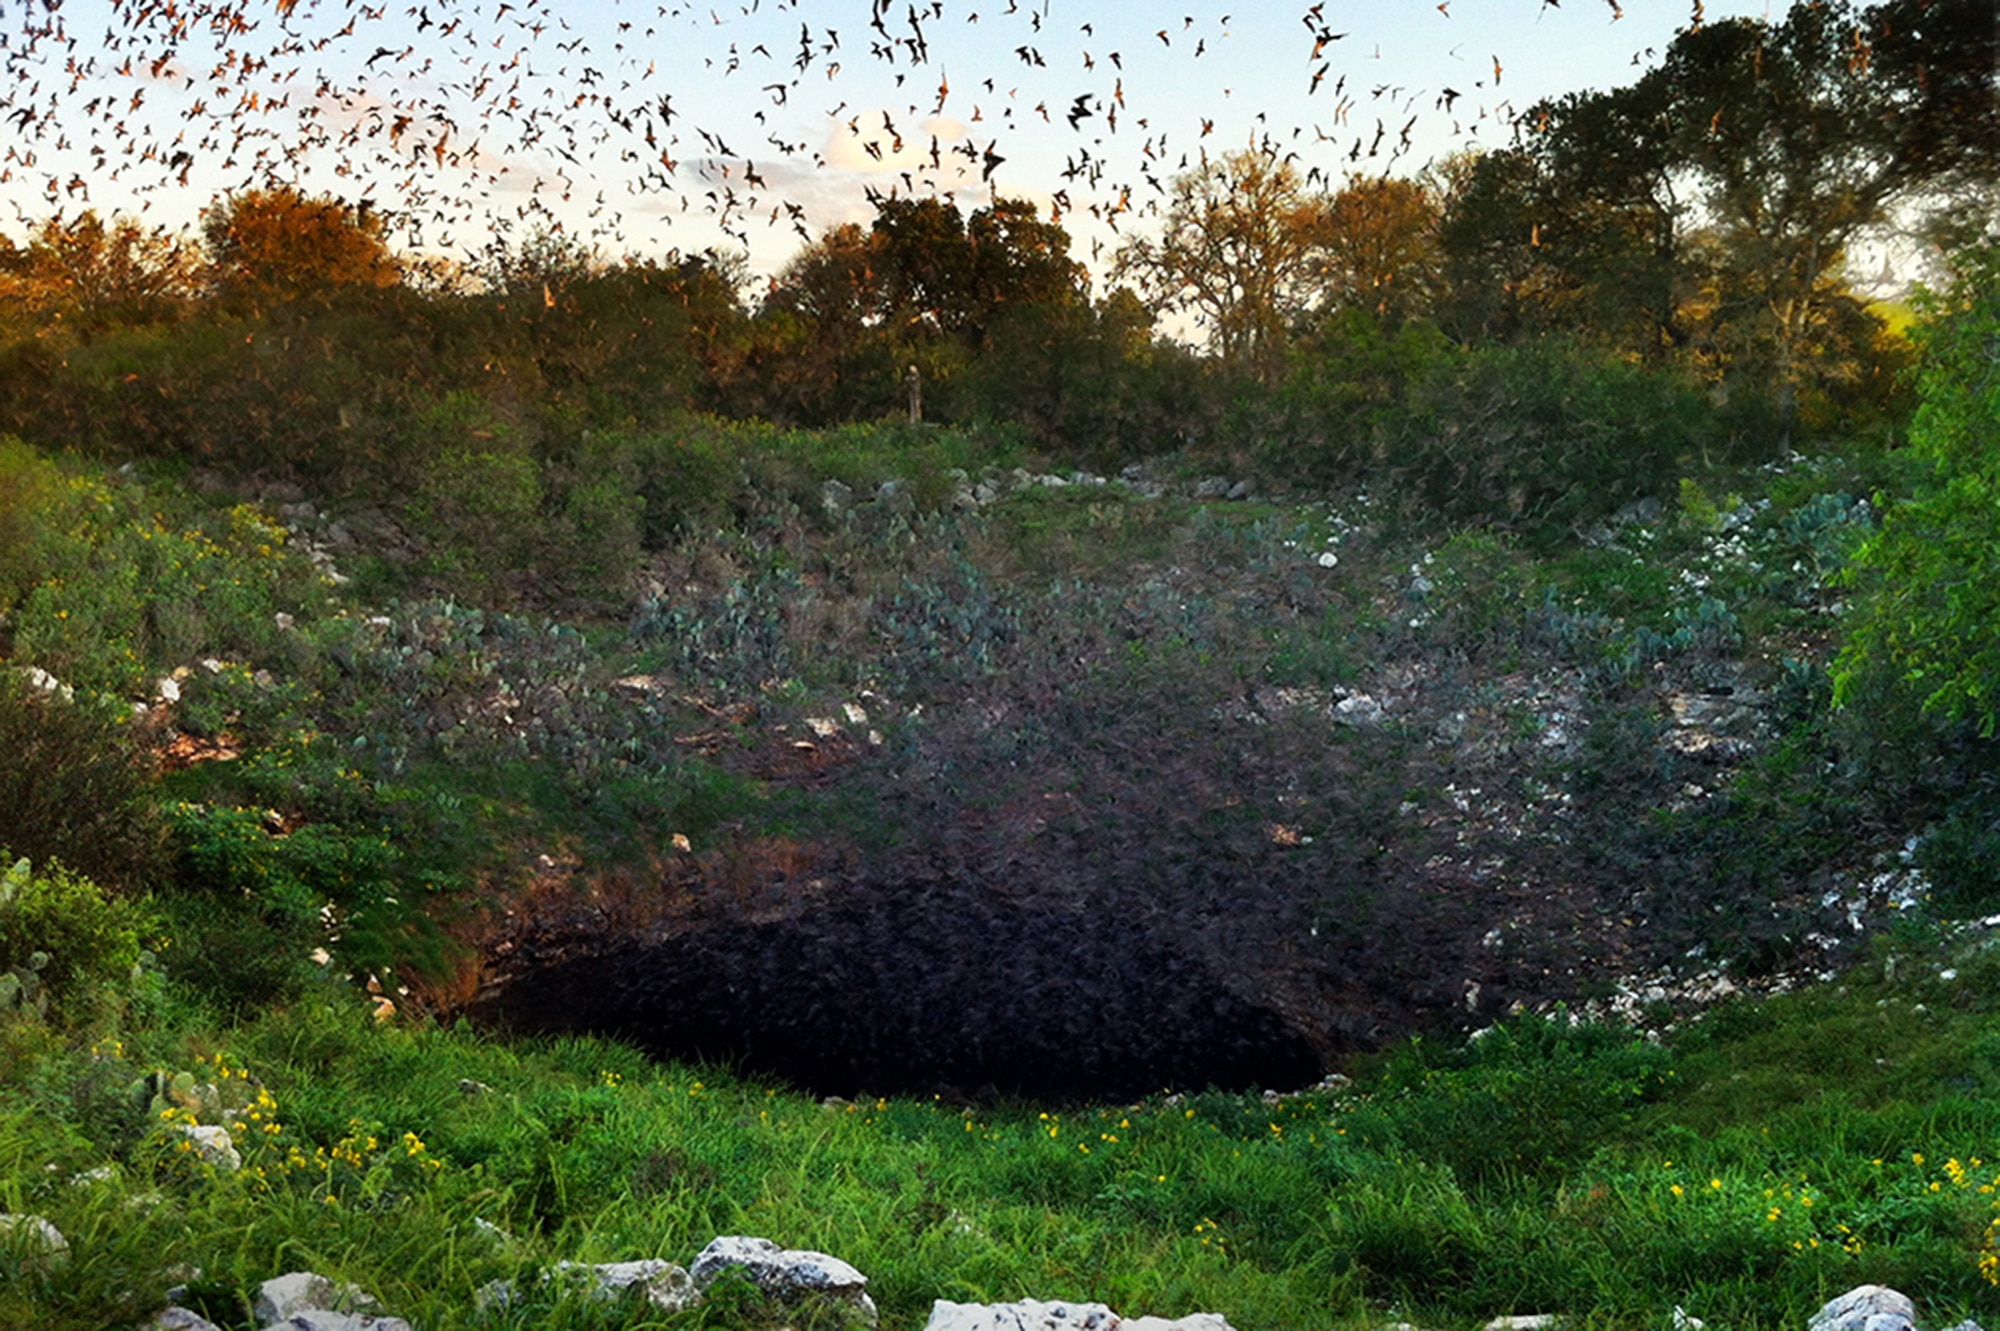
<point x="1750" y="1166"/>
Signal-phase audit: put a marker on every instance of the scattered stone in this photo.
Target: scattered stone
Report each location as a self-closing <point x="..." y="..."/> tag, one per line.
<point x="48" y="683"/>
<point x="1860" y="1308"/>
<point x="34" y="1240"/>
<point x="1240" y="490"/>
<point x="784" y="1274"/>
<point x="1212" y="487"/>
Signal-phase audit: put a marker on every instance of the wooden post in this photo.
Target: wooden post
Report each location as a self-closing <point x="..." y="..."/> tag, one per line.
<point x="916" y="382"/>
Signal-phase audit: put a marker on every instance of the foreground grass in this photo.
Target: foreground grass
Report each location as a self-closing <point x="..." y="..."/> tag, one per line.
<point x="1762" y="1160"/>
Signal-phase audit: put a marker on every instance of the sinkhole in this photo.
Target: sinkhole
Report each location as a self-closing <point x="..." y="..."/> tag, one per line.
<point x="966" y="996"/>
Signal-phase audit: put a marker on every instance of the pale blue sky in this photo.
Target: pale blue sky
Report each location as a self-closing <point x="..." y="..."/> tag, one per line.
<point x="519" y="105"/>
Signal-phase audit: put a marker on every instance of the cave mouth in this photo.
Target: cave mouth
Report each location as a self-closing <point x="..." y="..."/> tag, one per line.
<point x="974" y="999"/>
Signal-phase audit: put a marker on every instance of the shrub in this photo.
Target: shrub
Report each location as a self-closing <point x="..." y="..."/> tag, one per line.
<point x="74" y="783"/>
<point x="1542" y="436"/>
<point x="66" y="932"/>
<point x="1930" y="579"/>
<point x="28" y="488"/>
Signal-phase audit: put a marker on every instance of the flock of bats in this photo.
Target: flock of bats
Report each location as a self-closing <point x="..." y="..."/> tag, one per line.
<point x="501" y="111"/>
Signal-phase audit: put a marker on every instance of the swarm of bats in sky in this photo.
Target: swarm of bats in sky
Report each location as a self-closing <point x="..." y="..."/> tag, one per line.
<point x="451" y="115"/>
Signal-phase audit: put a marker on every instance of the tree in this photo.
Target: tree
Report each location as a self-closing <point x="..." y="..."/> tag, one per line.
<point x="923" y="285"/>
<point x="90" y="276"/>
<point x="1242" y="250"/>
<point x="1381" y="248"/>
<point x="1708" y="208"/>
<point x="276" y="245"/>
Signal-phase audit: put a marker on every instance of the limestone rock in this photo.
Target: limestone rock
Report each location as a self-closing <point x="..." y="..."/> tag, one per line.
<point x="666" y="1286"/>
<point x="325" y="1319"/>
<point x="284" y="1297"/>
<point x="1036" y="1315"/>
<point x="34" y="1240"/>
<point x="782" y="1273"/>
<point x="1192" y="1322"/>
<point x="1866" y="1308"/>
<point x="1528" y="1322"/>
<point x="1026" y="1315"/>
<point x="180" y="1319"/>
<point x="212" y="1143"/>
<point x="1359" y="710"/>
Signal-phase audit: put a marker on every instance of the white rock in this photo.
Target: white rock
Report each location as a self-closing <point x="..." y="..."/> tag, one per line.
<point x="1528" y="1322"/>
<point x="1358" y="710"/>
<point x="167" y="690"/>
<point x="212" y="1144"/>
<point x="1328" y="559"/>
<point x="48" y="683"/>
<point x="783" y="1273"/>
<point x="325" y="1319"/>
<point x="772" y="1267"/>
<point x="1036" y="1315"/>
<point x="667" y="1287"/>
<point x="35" y="1240"/>
<point x="180" y="1319"/>
<point x="1026" y="1315"/>
<point x="284" y="1297"/>
<point x="1857" y="1310"/>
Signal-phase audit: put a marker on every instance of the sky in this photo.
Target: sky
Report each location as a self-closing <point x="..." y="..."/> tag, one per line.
<point x="644" y="127"/>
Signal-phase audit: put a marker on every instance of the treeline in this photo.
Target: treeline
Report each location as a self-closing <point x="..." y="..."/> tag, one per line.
<point x="1525" y="335"/>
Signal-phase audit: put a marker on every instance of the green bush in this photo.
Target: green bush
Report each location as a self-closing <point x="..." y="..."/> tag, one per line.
<point x="1542" y="436"/>
<point x="1347" y="384"/>
<point x="74" y="782"/>
<point x="1929" y="581"/>
<point x="355" y="893"/>
<point x="136" y="583"/>
<point x="29" y="488"/>
<point x="74" y="939"/>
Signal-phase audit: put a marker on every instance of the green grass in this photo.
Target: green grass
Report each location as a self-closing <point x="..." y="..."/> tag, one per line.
<point x="1748" y="1169"/>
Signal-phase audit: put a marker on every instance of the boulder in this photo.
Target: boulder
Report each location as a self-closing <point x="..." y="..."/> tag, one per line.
<point x="784" y="1274"/>
<point x="283" y="1297"/>
<point x="666" y="1286"/>
<point x="1026" y="1315"/>
<point x="1866" y="1308"/>
<point x="325" y="1319"/>
<point x="1036" y="1315"/>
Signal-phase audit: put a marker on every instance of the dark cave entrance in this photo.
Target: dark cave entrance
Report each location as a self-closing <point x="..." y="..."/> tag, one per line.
<point x="929" y="993"/>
